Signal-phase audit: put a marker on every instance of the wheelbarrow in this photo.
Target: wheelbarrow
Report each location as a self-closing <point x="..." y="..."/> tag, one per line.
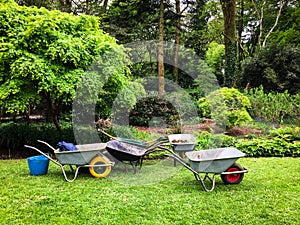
<point x="212" y="162"/>
<point x="88" y="155"/>
<point x="138" y="143"/>
<point x="132" y="152"/>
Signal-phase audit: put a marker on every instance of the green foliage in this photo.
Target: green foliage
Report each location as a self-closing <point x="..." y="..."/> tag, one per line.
<point x="14" y="136"/>
<point x="275" y="67"/>
<point x="196" y="39"/>
<point x="149" y="108"/>
<point x="291" y="22"/>
<point x="273" y="107"/>
<point x="227" y="106"/>
<point x="214" y="58"/>
<point x="45" y="53"/>
<point x="287" y="133"/>
<point x="280" y="142"/>
<point x="124" y="102"/>
<point x="269" y="147"/>
<point x="207" y="140"/>
<point x="230" y="76"/>
<point x="129" y="20"/>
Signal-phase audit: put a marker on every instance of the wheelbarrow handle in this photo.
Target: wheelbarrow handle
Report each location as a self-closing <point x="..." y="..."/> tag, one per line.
<point x="108" y="135"/>
<point x="47" y="144"/>
<point x="42" y="153"/>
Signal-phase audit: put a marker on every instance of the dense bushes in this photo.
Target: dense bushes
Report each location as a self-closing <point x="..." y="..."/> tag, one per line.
<point x="273" y="107"/>
<point x="15" y="135"/>
<point x="275" y="67"/>
<point x="207" y="140"/>
<point x="284" y="141"/>
<point x="151" y="107"/>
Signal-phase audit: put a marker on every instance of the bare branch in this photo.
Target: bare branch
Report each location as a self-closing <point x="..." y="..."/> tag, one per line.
<point x="255" y="7"/>
<point x="282" y="2"/>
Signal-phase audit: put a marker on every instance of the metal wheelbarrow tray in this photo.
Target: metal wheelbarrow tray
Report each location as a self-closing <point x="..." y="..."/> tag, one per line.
<point x="88" y="155"/>
<point x="213" y="161"/>
<point x="127" y="152"/>
<point x="182" y="142"/>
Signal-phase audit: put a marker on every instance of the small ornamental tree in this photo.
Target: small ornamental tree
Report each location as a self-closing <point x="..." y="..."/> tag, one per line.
<point x="227" y="106"/>
<point x="43" y="55"/>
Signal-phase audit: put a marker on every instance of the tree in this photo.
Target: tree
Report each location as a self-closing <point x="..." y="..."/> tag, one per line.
<point x="90" y="7"/>
<point x="177" y="39"/>
<point x="230" y="42"/>
<point x="288" y="28"/>
<point x="161" y="69"/>
<point x="276" y="67"/>
<point x="132" y="20"/>
<point x="266" y="22"/>
<point x="44" y="54"/>
<point x="196" y="36"/>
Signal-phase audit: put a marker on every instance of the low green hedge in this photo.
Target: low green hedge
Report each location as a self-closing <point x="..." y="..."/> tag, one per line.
<point x="14" y="136"/>
<point x="276" y="147"/>
<point x="284" y="141"/>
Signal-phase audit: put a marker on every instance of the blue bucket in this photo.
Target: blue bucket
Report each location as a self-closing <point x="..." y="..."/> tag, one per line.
<point x="38" y="165"/>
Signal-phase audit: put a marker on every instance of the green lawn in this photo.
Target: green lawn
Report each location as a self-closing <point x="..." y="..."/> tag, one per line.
<point x="269" y="194"/>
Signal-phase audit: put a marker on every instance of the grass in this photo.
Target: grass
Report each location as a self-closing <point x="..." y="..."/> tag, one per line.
<point x="269" y="194"/>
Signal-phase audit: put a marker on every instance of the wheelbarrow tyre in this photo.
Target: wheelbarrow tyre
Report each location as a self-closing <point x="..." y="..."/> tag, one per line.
<point x="101" y="171"/>
<point x="233" y="178"/>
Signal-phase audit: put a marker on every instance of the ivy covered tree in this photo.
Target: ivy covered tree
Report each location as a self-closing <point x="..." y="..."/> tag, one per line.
<point x="43" y="55"/>
<point x="230" y="42"/>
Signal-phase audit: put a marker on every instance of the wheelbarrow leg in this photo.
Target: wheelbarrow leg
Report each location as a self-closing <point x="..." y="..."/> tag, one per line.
<point x="65" y="175"/>
<point x="201" y="181"/>
<point x="134" y="165"/>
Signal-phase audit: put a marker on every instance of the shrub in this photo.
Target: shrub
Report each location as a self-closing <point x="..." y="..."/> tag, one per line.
<point x="276" y="67"/>
<point x="150" y="107"/>
<point x="280" y="142"/>
<point x="227" y="106"/>
<point x="206" y="140"/>
<point x="277" y="147"/>
<point x="273" y="107"/>
<point x="15" y="135"/>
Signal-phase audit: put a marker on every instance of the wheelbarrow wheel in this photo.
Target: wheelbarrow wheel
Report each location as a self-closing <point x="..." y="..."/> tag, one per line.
<point x="99" y="171"/>
<point x="234" y="178"/>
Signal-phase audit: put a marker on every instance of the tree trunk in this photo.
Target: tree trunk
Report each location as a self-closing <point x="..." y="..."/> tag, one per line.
<point x="161" y="85"/>
<point x="177" y="41"/>
<point x="52" y="109"/>
<point x="240" y="28"/>
<point x="229" y="10"/>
